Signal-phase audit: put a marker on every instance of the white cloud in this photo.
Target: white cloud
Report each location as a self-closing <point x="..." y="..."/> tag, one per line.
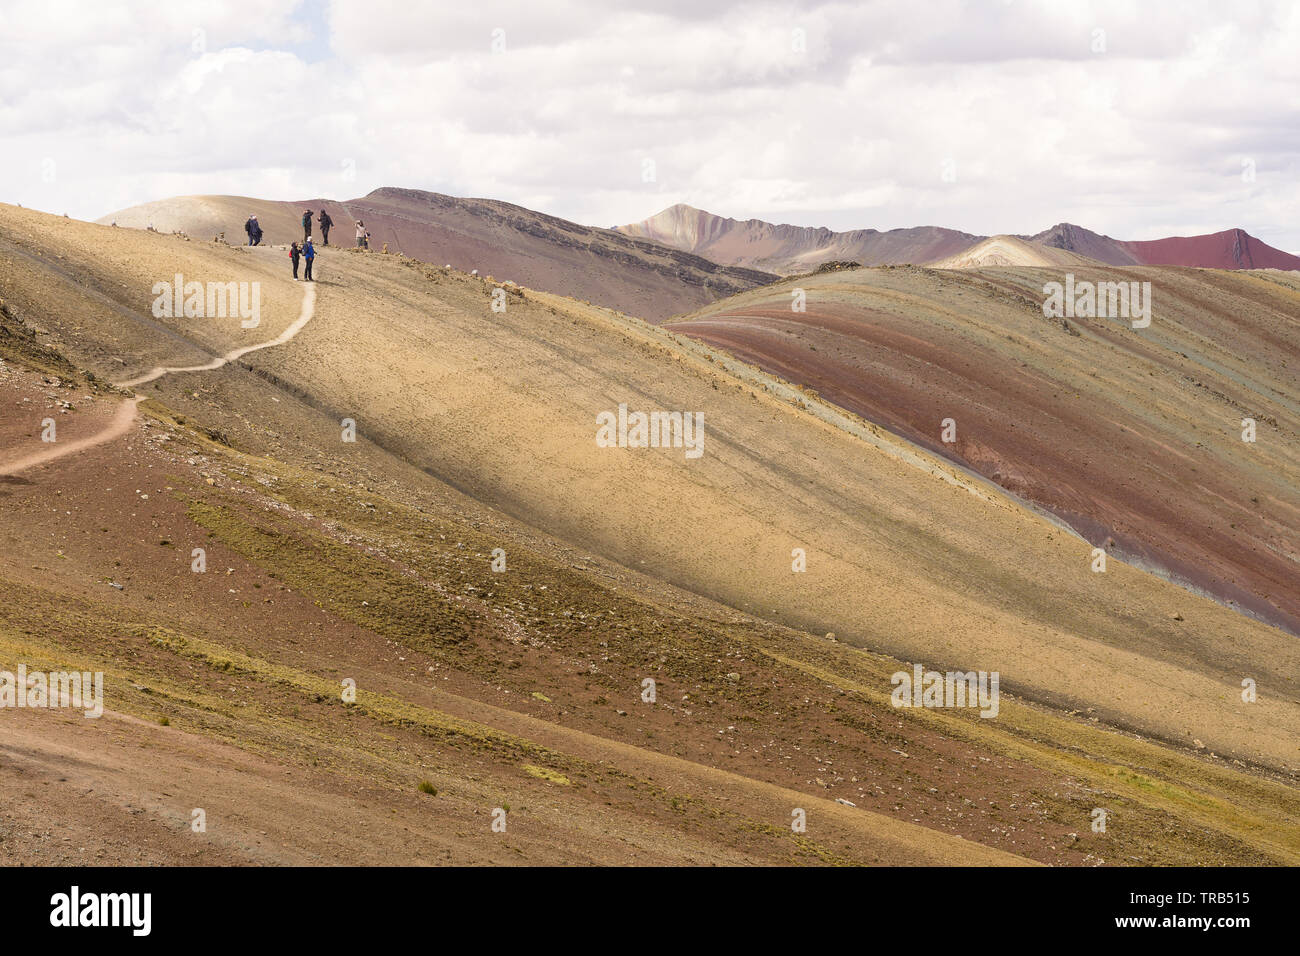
<point x="839" y="114"/>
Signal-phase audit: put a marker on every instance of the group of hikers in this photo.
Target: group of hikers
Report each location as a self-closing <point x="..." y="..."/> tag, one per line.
<point x="306" y="253"/>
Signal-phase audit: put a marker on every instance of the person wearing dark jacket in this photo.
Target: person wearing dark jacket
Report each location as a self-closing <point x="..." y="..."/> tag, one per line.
<point x="308" y="257"/>
<point x="325" y="223"/>
<point x="254" y="231"/>
<point x="294" y="253"/>
<point x="306" y="225"/>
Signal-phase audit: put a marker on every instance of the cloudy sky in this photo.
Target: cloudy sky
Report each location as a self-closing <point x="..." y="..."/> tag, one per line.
<point x="1135" y="119"/>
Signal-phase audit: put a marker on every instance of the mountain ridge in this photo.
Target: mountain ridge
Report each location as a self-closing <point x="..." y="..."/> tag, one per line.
<point x="588" y="263"/>
<point x="790" y="249"/>
<point x="787" y="248"/>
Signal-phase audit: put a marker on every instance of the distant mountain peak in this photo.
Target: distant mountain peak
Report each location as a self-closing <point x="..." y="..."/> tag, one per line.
<point x="789" y="249"/>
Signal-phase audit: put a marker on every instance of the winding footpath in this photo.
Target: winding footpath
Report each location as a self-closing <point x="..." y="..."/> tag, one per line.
<point x="126" y="415"/>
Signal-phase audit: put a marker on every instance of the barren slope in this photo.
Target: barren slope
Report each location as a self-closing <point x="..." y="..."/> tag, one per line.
<point x="1132" y="436"/>
<point x="371" y="560"/>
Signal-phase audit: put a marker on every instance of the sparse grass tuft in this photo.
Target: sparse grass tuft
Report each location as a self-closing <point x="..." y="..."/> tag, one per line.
<point x="543" y="774"/>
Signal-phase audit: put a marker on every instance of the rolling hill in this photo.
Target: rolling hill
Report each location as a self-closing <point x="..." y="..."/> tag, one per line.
<point x="399" y="639"/>
<point x="1011" y="251"/>
<point x="1132" y="436"/>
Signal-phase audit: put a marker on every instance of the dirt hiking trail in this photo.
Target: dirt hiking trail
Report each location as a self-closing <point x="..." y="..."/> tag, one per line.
<point x="126" y="415"/>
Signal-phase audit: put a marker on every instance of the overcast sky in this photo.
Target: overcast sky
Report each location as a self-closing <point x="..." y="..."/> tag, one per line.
<point x="1135" y="119"/>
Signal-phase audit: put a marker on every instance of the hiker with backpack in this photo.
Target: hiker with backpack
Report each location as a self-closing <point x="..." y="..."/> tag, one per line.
<point x="325" y="223"/>
<point x="306" y="225"/>
<point x="294" y="254"/>
<point x="308" y="256"/>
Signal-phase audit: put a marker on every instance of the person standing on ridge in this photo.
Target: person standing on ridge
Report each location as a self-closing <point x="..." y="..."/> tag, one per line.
<point x="294" y="253"/>
<point x="254" y="231"/>
<point x="361" y="235"/>
<point x="325" y="223"/>
<point x="308" y="256"/>
<point x="306" y="225"/>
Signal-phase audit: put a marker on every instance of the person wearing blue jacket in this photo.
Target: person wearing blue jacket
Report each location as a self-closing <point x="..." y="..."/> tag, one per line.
<point x="308" y="257"/>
